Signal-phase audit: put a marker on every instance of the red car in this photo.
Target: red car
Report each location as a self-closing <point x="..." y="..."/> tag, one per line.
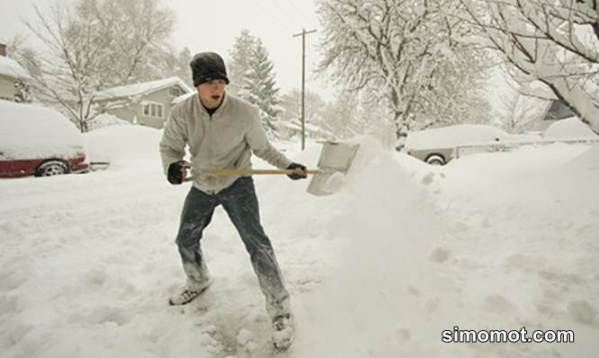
<point x="38" y="141"/>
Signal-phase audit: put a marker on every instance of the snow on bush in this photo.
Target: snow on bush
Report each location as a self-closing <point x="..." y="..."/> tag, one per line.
<point x="107" y="120"/>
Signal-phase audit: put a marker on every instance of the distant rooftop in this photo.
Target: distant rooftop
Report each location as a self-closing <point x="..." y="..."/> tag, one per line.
<point x="11" y="68"/>
<point x="139" y="89"/>
<point x="182" y="97"/>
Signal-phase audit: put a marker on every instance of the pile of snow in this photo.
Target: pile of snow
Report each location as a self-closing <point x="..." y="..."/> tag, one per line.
<point x="123" y="144"/>
<point x="106" y="120"/>
<point x="451" y="136"/>
<point x="569" y="128"/>
<point x="523" y="138"/>
<point x="525" y="258"/>
<point x="373" y="301"/>
<point x="30" y="131"/>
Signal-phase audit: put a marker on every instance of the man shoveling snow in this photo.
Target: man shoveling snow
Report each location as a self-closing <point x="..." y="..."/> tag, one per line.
<point x="222" y="131"/>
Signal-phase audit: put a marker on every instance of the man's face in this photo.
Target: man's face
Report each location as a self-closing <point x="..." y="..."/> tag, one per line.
<point x="212" y="93"/>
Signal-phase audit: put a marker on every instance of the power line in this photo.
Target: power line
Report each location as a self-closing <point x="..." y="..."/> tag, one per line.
<point x="284" y="11"/>
<point x="297" y="9"/>
<point x="273" y="17"/>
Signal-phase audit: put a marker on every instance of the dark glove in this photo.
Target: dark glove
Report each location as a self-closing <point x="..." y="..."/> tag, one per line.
<point x="296" y="176"/>
<point x="176" y="172"/>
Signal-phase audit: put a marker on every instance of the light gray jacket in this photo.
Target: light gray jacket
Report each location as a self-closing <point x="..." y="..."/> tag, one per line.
<point x="221" y="141"/>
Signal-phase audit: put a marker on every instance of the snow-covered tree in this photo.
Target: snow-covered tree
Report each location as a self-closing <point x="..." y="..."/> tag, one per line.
<point x="410" y="56"/>
<point x="521" y="112"/>
<point x="291" y="104"/>
<point x="176" y="64"/>
<point x="239" y="63"/>
<point x="17" y="49"/>
<point x="94" y="45"/>
<point x="352" y="114"/>
<point x="550" y="47"/>
<point x="315" y="117"/>
<point x="347" y="116"/>
<point x="259" y="87"/>
<point x="341" y="116"/>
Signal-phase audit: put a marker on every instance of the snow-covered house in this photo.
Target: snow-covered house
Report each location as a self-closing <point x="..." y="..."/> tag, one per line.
<point x="147" y="103"/>
<point x="10" y="74"/>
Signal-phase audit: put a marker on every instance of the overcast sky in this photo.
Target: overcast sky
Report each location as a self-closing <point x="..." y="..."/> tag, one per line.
<point x="213" y="25"/>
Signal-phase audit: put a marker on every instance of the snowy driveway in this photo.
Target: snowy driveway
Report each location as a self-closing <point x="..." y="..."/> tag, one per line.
<point x="378" y="270"/>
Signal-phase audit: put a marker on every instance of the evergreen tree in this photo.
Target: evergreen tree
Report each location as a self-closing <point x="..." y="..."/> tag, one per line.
<point x="178" y="65"/>
<point x="259" y="87"/>
<point x="239" y="65"/>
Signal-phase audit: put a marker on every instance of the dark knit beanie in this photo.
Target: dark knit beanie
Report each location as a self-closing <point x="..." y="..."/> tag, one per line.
<point x="207" y="66"/>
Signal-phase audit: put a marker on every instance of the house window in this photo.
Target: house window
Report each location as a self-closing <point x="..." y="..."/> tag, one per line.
<point x="175" y="91"/>
<point x="152" y="109"/>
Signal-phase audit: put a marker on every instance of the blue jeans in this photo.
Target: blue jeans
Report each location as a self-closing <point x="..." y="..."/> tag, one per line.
<point x="240" y="202"/>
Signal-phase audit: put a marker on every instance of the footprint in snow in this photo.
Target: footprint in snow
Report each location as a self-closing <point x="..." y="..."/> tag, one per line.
<point x="500" y="305"/>
<point x="582" y="311"/>
<point x="428" y="179"/>
<point x="440" y="254"/>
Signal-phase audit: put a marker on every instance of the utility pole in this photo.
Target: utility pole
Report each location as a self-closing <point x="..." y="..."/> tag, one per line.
<point x="303" y="35"/>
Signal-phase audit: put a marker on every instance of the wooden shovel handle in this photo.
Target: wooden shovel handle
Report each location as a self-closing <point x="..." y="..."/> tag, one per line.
<point x="246" y="172"/>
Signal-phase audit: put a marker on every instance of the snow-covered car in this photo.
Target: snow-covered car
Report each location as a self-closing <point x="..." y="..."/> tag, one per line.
<point x="38" y="141"/>
<point x="437" y="146"/>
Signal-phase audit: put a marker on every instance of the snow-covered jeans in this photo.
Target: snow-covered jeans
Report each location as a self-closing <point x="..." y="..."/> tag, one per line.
<point x="240" y="202"/>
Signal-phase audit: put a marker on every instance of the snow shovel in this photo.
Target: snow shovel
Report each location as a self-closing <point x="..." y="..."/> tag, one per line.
<point x="334" y="162"/>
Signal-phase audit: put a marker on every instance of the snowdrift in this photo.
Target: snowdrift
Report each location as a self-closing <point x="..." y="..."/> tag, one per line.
<point x="123" y="145"/>
<point x="569" y="128"/>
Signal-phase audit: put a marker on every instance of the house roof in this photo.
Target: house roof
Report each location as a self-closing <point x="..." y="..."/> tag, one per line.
<point x="139" y="89"/>
<point x="11" y="68"/>
<point x="182" y="97"/>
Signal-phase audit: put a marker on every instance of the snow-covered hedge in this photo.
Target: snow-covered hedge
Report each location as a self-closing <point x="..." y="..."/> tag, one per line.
<point x="106" y="120"/>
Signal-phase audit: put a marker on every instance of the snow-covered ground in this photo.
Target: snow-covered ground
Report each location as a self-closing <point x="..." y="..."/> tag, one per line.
<point x="402" y="252"/>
